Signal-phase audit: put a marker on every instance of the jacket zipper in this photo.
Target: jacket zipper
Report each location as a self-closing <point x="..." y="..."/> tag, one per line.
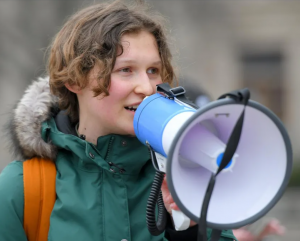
<point x="109" y="147"/>
<point x="111" y="164"/>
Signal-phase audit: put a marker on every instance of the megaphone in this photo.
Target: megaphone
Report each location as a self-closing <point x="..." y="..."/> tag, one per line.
<point x="194" y="142"/>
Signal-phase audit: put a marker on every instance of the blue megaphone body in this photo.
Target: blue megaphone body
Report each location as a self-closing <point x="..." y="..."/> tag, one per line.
<point x="157" y="117"/>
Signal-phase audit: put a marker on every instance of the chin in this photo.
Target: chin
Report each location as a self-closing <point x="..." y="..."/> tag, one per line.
<point x="131" y="133"/>
<point x="127" y="131"/>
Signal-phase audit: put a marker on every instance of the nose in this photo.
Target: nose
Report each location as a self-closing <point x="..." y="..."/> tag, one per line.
<point x="144" y="85"/>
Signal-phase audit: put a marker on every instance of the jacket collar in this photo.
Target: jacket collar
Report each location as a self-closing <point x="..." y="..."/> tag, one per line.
<point x="38" y="110"/>
<point x="116" y="153"/>
<point x="24" y="128"/>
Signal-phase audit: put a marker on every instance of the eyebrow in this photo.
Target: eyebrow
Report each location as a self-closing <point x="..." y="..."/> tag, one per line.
<point x="159" y="62"/>
<point x="130" y="61"/>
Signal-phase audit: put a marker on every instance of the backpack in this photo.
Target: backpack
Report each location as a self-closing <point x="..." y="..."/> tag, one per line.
<point x="39" y="197"/>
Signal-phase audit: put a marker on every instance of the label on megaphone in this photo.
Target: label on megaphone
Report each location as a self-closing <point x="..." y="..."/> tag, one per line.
<point x="161" y="162"/>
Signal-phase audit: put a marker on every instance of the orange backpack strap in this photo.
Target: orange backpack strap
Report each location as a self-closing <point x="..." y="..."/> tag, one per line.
<point x="39" y="197"/>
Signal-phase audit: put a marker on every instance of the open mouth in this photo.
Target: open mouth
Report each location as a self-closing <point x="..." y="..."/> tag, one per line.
<point x="131" y="108"/>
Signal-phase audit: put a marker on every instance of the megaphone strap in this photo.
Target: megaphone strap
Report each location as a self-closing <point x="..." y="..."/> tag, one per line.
<point x="202" y="222"/>
<point x="170" y="92"/>
<point x="215" y="235"/>
<point x="242" y="95"/>
<point x="177" y="92"/>
<point x="232" y="144"/>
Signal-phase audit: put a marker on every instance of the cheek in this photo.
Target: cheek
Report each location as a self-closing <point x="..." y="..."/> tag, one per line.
<point x="158" y="82"/>
<point x="119" y="89"/>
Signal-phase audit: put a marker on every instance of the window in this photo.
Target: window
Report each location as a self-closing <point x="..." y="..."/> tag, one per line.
<point x="262" y="73"/>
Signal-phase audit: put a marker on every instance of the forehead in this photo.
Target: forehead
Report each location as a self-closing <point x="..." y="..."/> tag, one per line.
<point x="141" y="42"/>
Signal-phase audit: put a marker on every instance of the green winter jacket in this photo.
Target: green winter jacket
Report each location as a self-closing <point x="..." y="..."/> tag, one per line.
<point x="95" y="200"/>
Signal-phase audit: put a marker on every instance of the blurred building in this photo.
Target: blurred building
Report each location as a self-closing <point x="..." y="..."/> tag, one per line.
<point x="218" y="46"/>
<point x="227" y="45"/>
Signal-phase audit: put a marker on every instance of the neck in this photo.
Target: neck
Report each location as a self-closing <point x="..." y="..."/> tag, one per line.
<point x="91" y="131"/>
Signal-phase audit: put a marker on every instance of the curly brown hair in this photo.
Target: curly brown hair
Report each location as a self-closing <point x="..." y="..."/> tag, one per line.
<point x="92" y="37"/>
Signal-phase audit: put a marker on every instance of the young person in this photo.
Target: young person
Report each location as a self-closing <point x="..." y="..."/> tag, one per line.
<point x="104" y="61"/>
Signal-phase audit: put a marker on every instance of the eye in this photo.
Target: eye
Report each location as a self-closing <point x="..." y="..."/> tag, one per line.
<point x="152" y="71"/>
<point x="125" y="70"/>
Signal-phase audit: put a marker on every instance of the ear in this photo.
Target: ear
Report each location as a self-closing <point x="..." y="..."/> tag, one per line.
<point x="73" y="88"/>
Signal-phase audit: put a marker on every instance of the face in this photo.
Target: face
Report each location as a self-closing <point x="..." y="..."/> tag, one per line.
<point x="135" y="75"/>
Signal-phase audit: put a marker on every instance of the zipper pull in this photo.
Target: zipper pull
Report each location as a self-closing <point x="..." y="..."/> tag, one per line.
<point x="121" y="170"/>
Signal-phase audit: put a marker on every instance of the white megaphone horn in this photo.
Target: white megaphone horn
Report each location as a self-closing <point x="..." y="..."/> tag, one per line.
<point x="194" y="143"/>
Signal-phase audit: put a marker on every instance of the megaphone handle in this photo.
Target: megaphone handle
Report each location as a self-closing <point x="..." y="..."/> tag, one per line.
<point x="181" y="221"/>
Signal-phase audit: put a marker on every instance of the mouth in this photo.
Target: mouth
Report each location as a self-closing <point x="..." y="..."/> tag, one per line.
<point x="131" y="108"/>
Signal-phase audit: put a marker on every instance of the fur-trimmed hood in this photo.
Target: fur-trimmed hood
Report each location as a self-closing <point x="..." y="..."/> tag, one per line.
<point x="24" y="128"/>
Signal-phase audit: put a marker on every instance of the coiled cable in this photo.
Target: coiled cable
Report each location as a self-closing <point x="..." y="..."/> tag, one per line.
<point x="156" y="227"/>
